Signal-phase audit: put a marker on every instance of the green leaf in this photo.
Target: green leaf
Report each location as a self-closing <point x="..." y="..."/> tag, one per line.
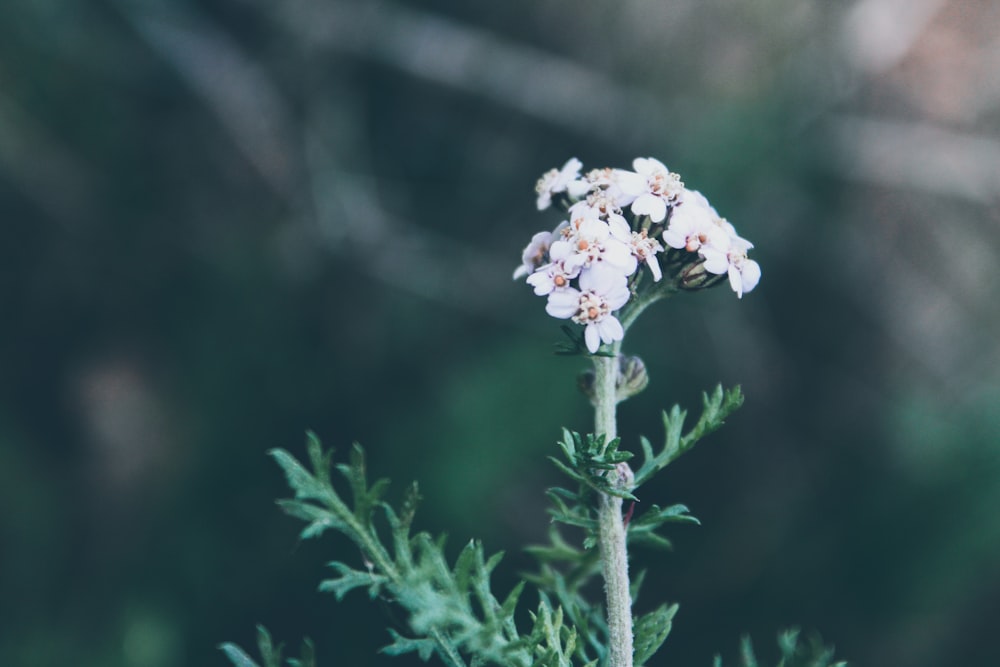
<point x="715" y="409"/>
<point x="794" y="653"/>
<point x="237" y="656"/>
<point x="651" y="631"/>
<point x="350" y="579"/>
<point x="308" y="658"/>
<point x="423" y="647"/>
<point x="306" y="486"/>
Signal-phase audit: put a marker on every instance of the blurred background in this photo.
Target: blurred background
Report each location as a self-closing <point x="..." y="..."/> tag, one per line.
<point x="229" y="221"/>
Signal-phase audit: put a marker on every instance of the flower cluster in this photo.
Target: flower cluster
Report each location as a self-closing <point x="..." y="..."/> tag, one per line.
<point x="588" y="266"/>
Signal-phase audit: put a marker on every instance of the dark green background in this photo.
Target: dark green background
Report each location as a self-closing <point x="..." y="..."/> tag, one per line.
<point x="228" y="221"/>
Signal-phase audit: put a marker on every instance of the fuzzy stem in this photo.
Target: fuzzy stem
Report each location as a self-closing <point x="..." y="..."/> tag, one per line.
<point x="611" y="528"/>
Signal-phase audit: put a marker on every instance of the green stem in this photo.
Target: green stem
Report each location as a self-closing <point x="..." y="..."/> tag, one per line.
<point x="611" y="528"/>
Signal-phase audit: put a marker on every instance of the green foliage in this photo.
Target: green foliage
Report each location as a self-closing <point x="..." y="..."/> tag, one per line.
<point x="566" y="570"/>
<point x="452" y="612"/>
<point x="715" y="409"/>
<point x="793" y="653"/>
<point x="270" y="654"/>
<point x="589" y="458"/>
<point x="651" y="631"/>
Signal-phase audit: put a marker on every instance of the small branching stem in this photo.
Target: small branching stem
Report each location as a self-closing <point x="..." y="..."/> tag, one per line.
<point x="611" y="528"/>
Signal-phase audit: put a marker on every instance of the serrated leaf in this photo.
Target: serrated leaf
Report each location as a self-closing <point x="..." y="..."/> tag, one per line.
<point x="400" y="645"/>
<point x="651" y="631"/>
<point x="302" y="482"/>
<point x="350" y="579"/>
<point x="715" y="408"/>
<point x="268" y="653"/>
<point x="465" y="567"/>
<point x="510" y="602"/>
<point x="319" y="519"/>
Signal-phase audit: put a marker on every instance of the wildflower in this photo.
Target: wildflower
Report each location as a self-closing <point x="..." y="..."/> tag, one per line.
<point x="551" y="277"/>
<point x="644" y="249"/>
<point x="601" y="204"/>
<point x="744" y="273"/>
<point x="653" y="187"/>
<point x="588" y="243"/>
<point x="555" y="181"/>
<point x="534" y="254"/>
<point x="600" y="294"/>
<point x="693" y="226"/>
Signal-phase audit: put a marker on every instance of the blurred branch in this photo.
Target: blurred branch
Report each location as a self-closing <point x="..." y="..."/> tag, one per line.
<point x="919" y="156"/>
<point x="238" y="90"/>
<point x="349" y="219"/>
<point x="544" y="86"/>
<point x="352" y="221"/>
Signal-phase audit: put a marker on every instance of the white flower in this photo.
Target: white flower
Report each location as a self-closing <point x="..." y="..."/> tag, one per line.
<point x="588" y="243"/>
<point x="645" y="249"/>
<point x="601" y="204"/>
<point x="694" y="227"/>
<point x="534" y="254"/>
<point x="552" y="277"/>
<point x="744" y="273"/>
<point x="592" y="305"/>
<point x="652" y="186"/>
<point x="560" y="180"/>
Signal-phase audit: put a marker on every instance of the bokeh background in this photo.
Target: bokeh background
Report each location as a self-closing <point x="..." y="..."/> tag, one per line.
<point x="228" y="221"/>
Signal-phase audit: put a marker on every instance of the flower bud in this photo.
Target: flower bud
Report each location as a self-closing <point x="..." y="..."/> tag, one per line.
<point x="630" y="379"/>
<point x="689" y="270"/>
<point x="625" y="478"/>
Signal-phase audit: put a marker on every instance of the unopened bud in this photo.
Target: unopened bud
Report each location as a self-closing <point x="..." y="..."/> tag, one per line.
<point x="632" y="377"/>
<point x="625" y="480"/>
<point x="689" y="269"/>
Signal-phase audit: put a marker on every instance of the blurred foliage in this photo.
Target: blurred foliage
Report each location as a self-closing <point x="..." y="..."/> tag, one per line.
<point x="228" y="221"/>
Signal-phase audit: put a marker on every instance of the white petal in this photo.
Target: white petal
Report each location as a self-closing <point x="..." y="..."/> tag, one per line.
<point x="629" y="182"/>
<point x="695" y="198"/>
<point x="619" y="228"/>
<point x="594" y="229"/>
<point x="715" y="261"/>
<point x="654" y="266"/>
<point x="620" y="256"/>
<point x="651" y="205"/>
<point x="648" y="165"/>
<point x="751" y="274"/>
<point x="572" y="166"/>
<point x="541" y="280"/>
<point x="578" y="188"/>
<point x="673" y="235"/>
<point x="736" y="281"/>
<point x="617" y="297"/>
<point x="610" y="329"/>
<point x="560" y="250"/>
<point x="563" y="303"/>
<point x="601" y="279"/>
<point x="593" y="337"/>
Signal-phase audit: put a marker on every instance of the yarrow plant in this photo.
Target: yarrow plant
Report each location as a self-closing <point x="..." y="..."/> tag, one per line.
<point x="628" y="239"/>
